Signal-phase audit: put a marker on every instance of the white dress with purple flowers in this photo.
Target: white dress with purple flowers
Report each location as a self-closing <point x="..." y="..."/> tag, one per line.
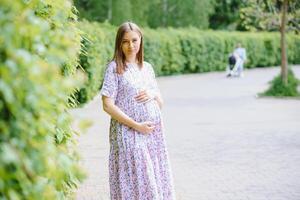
<point x="138" y="163"/>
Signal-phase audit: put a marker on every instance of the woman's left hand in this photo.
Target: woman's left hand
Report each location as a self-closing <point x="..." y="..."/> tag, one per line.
<point x="143" y="96"/>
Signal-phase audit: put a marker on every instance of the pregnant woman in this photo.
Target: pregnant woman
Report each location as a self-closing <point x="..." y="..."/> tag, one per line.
<point x="138" y="162"/>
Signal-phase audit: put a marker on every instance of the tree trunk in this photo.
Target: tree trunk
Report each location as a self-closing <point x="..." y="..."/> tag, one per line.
<point x="165" y="12"/>
<point x="284" y="62"/>
<point x="109" y="12"/>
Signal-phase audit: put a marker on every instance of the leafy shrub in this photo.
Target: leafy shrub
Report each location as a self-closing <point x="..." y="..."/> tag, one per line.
<point x="97" y="44"/>
<point x="39" y="40"/>
<point x="281" y="90"/>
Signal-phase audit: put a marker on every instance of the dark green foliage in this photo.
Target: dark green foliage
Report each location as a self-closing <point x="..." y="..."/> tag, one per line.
<point x="226" y="14"/>
<point x="188" y="13"/>
<point x="155" y="13"/>
<point x="39" y="39"/>
<point x="94" y="10"/>
<point x="216" y="14"/>
<point x="121" y="11"/>
<point x="278" y="89"/>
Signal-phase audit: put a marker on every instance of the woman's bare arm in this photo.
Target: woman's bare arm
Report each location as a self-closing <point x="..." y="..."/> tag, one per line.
<point x="115" y="112"/>
<point x="159" y="100"/>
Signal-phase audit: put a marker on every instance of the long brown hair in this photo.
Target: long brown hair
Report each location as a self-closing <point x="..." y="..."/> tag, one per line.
<point x="119" y="56"/>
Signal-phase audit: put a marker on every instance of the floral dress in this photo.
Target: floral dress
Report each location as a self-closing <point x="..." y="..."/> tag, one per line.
<point x="138" y="163"/>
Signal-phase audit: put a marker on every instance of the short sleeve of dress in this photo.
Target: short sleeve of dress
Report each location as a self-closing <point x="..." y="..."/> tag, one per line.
<point x="110" y="82"/>
<point x="153" y="83"/>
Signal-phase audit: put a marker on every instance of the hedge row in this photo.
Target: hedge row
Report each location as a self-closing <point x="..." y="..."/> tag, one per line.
<point x="192" y="51"/>
<point x="96" y="51"/>
<point x="39" y="40"/>
<point x="176" y="51"/>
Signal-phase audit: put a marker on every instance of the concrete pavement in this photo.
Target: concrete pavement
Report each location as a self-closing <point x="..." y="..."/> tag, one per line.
<point x="224" y="142"/>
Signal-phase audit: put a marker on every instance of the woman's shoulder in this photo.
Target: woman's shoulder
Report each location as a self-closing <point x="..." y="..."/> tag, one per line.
<point x="149" y="68"/>
<point x="147" y="65"/>
<point x="111" y="66"/>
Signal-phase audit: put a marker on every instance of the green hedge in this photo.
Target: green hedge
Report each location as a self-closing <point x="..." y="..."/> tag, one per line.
<point x="39" y="40"/>
<point x="96" y="52"/>
<point x="176" y="51"/>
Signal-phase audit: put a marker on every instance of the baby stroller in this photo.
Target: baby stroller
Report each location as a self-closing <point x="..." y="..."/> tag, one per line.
<point x="232" y="63"/>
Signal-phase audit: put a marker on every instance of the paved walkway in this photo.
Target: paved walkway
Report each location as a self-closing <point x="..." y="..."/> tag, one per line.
<point x="224" y="142"/>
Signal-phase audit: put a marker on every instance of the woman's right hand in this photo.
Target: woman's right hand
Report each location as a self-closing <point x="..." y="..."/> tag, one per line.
<point x="145" y="127"/>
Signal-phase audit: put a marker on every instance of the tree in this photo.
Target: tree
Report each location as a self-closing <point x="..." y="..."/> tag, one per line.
<point x="273" y="15"/>
<point x="155" y="13"/>
<point x="266" y="15"/>
<point x="226" y="14"/>
<point x="284" y="62"/>
<point x="94" y="10"/>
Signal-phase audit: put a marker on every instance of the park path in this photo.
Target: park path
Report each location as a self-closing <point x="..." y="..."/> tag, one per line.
<point x="224" y="142"/>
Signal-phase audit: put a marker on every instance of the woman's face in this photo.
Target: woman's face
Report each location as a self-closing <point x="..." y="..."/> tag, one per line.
<point x="131" y="43"/>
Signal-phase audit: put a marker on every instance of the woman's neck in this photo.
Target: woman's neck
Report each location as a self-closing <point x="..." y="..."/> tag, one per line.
<point x="131" y="60"/>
